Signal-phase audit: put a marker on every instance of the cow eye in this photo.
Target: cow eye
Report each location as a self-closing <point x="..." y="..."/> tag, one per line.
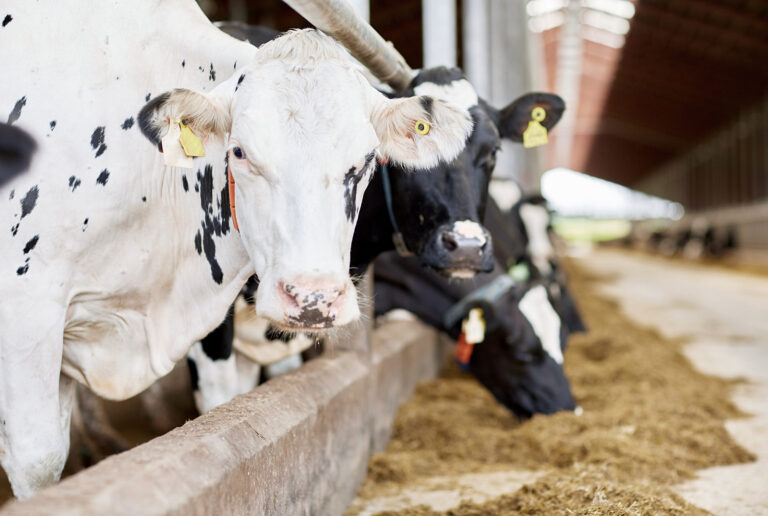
<point x="238" y="153"/>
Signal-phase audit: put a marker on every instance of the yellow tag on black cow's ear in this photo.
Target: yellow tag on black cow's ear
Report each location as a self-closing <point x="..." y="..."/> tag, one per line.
<point x="536" y="134"/>
<point x="191" y="144"/>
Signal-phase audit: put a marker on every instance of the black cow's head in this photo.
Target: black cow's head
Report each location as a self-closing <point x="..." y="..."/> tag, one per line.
<point x="439" y="214"/>
<point x="520" y="359"/>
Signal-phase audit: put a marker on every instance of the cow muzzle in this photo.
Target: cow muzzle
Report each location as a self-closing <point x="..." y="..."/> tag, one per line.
<point x="459" y="250"/>
<point x="313" y="303"/>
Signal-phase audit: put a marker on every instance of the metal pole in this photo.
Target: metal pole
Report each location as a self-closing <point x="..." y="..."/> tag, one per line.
<point x="338" y="19"/>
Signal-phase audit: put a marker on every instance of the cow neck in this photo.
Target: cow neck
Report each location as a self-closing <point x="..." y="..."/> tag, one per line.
<point x="231" y="184"/>
<point x="397" y="236"/>
<point x="490" y="292"/>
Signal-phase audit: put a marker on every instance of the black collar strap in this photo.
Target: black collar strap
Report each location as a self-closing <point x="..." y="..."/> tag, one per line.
<point x="397" y="236"/>
<point x="489" y="292"/>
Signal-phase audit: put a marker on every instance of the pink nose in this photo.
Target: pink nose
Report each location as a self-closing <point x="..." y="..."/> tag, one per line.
<point x="311" y="303"/>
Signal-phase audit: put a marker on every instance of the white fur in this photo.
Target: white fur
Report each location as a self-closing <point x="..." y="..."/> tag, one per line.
<point x="114" y="303"/>
<point x="284" y="366"/>
<point x="505" y="192"/>
<point x="536" y="220"/>
<point x="217" y="379"/>
<point x="460" y="93"/>
<point x="470" y="229"/>
<point x="536" y="307"/>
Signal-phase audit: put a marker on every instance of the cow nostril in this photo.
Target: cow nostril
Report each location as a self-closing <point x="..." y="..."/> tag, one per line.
<point x="449" y="242"/>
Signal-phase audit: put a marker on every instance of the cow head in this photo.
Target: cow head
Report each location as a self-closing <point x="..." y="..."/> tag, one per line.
<point x="440" y="214"/>
<point x="520" y="360"/>
<point x="532" y="220"/>
<point x="301" y="129"/>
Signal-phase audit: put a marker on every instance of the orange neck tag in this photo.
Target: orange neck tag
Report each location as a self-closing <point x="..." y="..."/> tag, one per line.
<point x="231" y="182"/>
<point x="463" y="351"/>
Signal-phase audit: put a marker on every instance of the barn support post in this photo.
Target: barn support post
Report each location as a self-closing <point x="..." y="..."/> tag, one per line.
<point x="476" y="45"/>
<point x="439" y="32"/>
<point x="338" y="19"/>
<point x="510" y="77"/>
<point x="569" y="63"/>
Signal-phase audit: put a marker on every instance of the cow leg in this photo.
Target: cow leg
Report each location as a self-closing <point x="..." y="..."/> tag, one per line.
<point x="35" y="407"/>
<point x="214" y="380"/>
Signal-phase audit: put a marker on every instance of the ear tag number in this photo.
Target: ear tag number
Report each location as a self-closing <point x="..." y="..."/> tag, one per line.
<point x="536" y="134"/>
<point x="191" y="144"/>
<point x="422" y="127"/>
<point x="173" y="153"/>
<point x="474" y="326"/>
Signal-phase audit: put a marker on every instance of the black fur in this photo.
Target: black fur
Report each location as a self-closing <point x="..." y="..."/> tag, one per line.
<point x="146" y="118"/>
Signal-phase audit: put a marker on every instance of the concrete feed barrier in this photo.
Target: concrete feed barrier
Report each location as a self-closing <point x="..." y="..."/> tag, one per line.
<point x="299" y="444"/>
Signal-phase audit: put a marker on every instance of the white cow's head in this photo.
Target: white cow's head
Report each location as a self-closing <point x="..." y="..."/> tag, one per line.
<point x="302" y="128"/>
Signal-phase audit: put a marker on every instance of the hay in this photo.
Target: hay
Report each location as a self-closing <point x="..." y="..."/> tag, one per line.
<point x="650" y="420"/>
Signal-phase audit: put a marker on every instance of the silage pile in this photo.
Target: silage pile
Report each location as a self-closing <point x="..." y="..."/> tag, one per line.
<point x="649" y="421"/>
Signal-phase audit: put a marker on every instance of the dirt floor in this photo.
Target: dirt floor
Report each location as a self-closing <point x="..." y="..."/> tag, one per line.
<point x="649" y="422"/>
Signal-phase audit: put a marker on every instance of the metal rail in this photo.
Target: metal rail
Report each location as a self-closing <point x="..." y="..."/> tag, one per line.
<point x="339" y="20"/>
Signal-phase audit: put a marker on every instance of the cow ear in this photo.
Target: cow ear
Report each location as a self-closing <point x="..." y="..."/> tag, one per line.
<point x="514" y="119"/>
<point x="419" y="132"/>
<point x="205" y="115"/>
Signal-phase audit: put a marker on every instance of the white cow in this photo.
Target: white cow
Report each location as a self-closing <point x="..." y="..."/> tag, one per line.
<point x="112" y="262"/>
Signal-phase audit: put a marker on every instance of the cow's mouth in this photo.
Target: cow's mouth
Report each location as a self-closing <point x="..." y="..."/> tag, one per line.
<point x="462" y="273"/>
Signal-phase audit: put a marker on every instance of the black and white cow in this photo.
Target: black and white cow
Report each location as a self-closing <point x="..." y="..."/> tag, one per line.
<point x="16" y="148"/>
<point x="523" y="236"/>
<point x="438" y="219"/>
<point x="521" y="354"/>
<point x="118" y="257"/>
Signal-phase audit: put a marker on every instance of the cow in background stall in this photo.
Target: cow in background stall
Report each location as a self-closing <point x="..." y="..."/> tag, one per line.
<point x="118" y="256"/>
<point x="519" y="354"/>
<point x="521" y="226"/>
<point x="526" y="321"/>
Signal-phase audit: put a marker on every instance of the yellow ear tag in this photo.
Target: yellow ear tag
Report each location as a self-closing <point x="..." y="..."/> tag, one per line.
<point x="474" y="326"/>
<point x="536" y="134"/>
<point x="422" y="127"/>
<point x="189" y="142"/>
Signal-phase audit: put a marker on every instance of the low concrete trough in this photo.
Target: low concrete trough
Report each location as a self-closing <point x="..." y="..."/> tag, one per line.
<point x="298" y="444"/>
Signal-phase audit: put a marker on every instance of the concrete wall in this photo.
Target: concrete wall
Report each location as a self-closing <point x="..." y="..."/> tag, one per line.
<point x="298" y="444"/>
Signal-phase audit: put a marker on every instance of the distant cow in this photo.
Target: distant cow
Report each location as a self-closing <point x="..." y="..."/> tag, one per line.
<point x="16" y="148"/>
<point x="523" y="237"/>
<point x="520" y="357"/>
<point x="116" y="259"/>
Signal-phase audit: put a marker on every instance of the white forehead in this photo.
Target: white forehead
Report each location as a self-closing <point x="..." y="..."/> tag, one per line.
<point x="536" y="307"/>
<point x="460" y="92"/>
<point x="303" y="97"/>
